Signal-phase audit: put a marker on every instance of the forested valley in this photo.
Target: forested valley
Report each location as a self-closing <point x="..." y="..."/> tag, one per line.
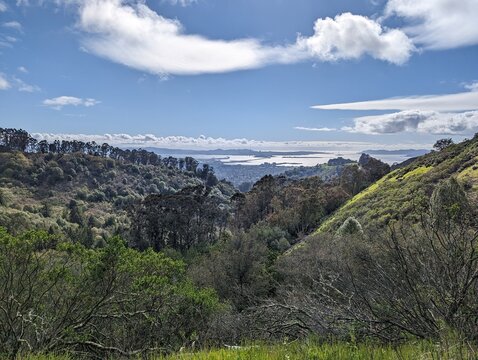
<point x="114" y="253"/>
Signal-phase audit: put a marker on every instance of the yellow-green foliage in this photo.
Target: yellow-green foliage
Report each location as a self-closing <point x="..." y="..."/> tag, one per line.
<point x="417" y="172"/>
<point x="390" y="178"/>
<point x="469" y="172"/>
<point x="404" y="193"/>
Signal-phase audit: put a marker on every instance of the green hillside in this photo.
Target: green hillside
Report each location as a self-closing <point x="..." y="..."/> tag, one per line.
<point x="76" y="192"/>
<point x="404" y="193"/>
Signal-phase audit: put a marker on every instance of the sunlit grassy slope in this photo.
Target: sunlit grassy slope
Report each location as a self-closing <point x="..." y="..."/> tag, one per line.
<point x="404" y="192"/>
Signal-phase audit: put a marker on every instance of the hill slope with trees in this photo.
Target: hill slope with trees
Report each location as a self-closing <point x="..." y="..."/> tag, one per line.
<point x="404" y="192"/>
<point x="85" y="190"/>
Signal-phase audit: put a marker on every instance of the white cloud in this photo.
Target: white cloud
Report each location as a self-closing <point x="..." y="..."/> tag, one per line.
<point x="22" y="69"/>
<point x="350" y="36"/>
<point x="13" y="25"/>
<point x="430" y="122"/>
<point x="438" y="24"/>
<point x="3" y="6"/>
<point x="4" y="84"/>
<point x="130" y="33"/>
<point x="61" y="101"/>
<point x="448" y="102"/>
<point x="136" y="36"/>
<point x="322" y="129"/>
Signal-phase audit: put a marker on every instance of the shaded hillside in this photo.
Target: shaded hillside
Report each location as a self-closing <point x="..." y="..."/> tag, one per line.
<point x="404" y="193"/>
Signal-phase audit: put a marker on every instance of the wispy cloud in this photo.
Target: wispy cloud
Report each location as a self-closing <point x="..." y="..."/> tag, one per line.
<point x="3" y="6"/>
<point x="182" y="3"/>
<point x="430" y="122"/>
<point x="22" y="69"/>
<point x="59" y="102"/>
<point x="7" y="41"/>
<point x="7" y="82"/>
<point x="447" y="102"/>
<point x="322" y="129"/>
<point x="437" y="24"/>
<point x="24" y="87"/>
<point x="13" y="25"/>
<point x="4" y="84"/>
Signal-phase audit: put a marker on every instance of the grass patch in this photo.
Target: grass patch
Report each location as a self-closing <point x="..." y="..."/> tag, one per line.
<point x="339" y="351"/>
<point x="418" y="171"/>
<point x="423" y="350"/>
<point x="470" y="172"/>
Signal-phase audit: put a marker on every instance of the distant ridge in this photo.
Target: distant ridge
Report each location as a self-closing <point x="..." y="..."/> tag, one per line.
<point x="244" y="152"/>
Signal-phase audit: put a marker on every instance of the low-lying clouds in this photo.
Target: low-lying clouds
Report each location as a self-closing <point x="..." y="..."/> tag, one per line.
<point x="205" y="142"/>
<point x="59" y="102"/>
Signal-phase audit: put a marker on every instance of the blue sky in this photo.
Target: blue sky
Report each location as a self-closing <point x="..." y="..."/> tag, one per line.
<point x="241" y="73"/>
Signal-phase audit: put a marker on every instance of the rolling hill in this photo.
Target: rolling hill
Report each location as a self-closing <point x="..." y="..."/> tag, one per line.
<point x="79" y="190"/>
<point x="404" y="192"/>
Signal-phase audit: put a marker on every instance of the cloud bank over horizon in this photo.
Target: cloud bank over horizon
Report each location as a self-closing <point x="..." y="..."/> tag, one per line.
<point x="206" y="142"/>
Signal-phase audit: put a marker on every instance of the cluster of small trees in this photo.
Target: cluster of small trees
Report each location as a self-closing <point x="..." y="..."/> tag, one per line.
<point x="297" y="207"/>
<point x="356" y="177"/>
